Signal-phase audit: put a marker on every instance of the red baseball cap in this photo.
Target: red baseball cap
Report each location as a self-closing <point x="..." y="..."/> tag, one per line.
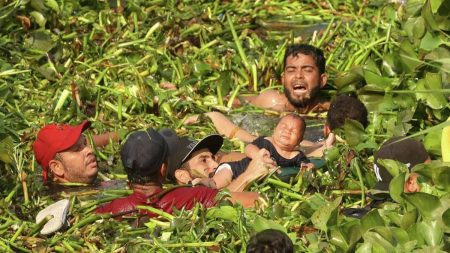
<point x="55" y="138"/>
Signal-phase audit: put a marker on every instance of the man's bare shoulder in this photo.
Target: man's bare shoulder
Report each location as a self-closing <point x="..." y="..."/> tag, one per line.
<point x="269" y="99"/>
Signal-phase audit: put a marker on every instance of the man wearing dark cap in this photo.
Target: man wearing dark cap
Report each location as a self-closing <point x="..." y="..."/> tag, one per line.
<point x="145" y="156"/>
<point x="197" y="161"/>
<point x="408" y="151"/>
<point x="64" y="154"/>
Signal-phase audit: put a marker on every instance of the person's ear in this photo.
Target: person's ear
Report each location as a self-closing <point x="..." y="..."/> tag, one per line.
<point x="57" y="168"/>
<point x="326" y="130"/>
<point x="282" y="78"/>
<point x="182" y="176"/>
<point x="323" y="80"/>
<point x="163" y="171"/>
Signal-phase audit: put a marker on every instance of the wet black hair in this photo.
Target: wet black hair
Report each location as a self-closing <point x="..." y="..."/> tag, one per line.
<point x="346" y="107"/>
<point x="270" y="241"/>
<point x="317" y="54"/>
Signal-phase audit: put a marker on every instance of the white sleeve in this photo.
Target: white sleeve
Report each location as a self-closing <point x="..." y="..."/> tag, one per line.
<point x="223" y="166"/>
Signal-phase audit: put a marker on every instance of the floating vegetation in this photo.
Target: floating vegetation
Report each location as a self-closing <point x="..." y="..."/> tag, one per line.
<point x="117" y="62"/>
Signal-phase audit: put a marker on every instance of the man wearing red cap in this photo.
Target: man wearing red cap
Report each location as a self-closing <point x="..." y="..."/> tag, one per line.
<point x="65" y="155"/>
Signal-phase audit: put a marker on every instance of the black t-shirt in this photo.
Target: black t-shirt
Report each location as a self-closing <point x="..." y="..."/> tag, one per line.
<point x="261" y="142"/>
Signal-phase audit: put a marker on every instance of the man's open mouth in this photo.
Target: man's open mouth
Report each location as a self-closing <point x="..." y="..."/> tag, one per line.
<point x="299" y="88"/>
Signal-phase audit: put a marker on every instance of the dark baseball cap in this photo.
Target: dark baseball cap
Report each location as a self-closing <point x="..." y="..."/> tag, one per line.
<point x="185" y="148"/>
<point x="143" y="154"/>
<point x="408" y="151"/>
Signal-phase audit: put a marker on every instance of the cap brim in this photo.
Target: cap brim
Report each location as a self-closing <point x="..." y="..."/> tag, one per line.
<point x="382" y="186"/>
<point x="212" y="142"/>
<point x="73" y="136"/>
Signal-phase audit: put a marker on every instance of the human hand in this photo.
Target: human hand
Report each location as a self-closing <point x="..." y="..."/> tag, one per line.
<point x="306" y="166"/>
<point x="331" y="139"/>
<point x="168" y="86"/>
<point x="264" y="154"/>
<point x="204" y="181"/>
<point x="191" y="120"/>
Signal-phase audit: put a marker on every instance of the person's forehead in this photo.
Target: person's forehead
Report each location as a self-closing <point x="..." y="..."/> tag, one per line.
<point x="290" y="120"/>
<point x="302" y="59"/>
<point x="204" y="152"/>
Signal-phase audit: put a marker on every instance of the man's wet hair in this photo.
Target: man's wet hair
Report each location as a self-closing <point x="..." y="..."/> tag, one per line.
<point x="317" y="54"/>
<point x="346" y="107"/>
<point x="270" y="241"/>
<point x="297" y="117"/>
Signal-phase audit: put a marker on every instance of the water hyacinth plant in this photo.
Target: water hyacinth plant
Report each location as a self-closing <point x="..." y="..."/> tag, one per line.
<point x="127" y="65"/>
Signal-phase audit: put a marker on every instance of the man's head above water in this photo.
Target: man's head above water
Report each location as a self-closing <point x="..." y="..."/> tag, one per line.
<point x="64" y="154"/>
<point x="197" y="159"/>
<point x="304" y="74"/>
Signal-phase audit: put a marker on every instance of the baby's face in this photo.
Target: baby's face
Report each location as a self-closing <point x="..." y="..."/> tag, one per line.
<point x="288" y="132"/>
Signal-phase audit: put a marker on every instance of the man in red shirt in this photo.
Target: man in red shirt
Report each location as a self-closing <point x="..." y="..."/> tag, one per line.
<point x="146" y="159"/>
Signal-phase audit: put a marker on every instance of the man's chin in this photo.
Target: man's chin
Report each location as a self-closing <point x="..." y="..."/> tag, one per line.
<point x="297" y="101"/>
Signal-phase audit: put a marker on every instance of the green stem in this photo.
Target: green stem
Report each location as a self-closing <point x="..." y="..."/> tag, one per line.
<point x="157" y="211"/>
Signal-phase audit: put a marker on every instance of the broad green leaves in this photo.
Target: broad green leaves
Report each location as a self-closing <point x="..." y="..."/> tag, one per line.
<point x="326" y="216"/>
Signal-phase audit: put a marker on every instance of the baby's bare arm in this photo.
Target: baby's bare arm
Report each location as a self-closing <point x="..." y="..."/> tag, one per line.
<point x="251" y="150"/>
<point x="222" y="178"/>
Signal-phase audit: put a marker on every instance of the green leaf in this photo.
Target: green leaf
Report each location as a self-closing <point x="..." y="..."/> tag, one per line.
<point x="228" y="213"/>
<point x="409" y="218"/>
<point x="432" y="81"/>
<point x="431" y="232"/>
<point x="370" y="220"/>
<point x="353" y="76"/>
<point x="432" y="142"/>
<point x="338" y="239"/>
<point x="400" y="235"/>
<point x="39" y="18"/>
<point x="394" y="167"/>
<point x="379" y="244"/>
<point x="41" y="41"/>
<point x="53" y="5"/>
<point x="427" y="204"/>
<point x="396" y="187"/>
<point x="354" y="132"/>
<point x="326" y="216"/>
<point x="261" y="224"/>
<point x="415" y="27"/>
<point x="430" y="42"/>
<point x="428" y="16"/>
<point x="377" y="82"/>
<point x="435" y="4"/>
<point x="408" y="57"/>
<point x="446" y="218"/>
<point x="6" y="149"/>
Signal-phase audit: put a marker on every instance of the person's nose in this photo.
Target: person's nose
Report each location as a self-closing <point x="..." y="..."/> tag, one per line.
<point x="213" y="165"/>
<point x="299" y="74"/>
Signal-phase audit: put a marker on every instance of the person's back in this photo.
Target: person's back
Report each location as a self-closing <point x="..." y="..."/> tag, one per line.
<point x="270" y="241"/>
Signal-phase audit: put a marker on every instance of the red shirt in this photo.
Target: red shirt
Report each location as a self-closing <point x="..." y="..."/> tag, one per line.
<point x="182" y="197"/>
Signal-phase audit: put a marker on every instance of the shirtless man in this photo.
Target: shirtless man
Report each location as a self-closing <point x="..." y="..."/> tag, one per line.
<point x="303" y="77"/>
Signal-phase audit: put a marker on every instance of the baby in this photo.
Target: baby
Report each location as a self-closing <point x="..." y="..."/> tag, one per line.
<point x="280" y="149"/>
